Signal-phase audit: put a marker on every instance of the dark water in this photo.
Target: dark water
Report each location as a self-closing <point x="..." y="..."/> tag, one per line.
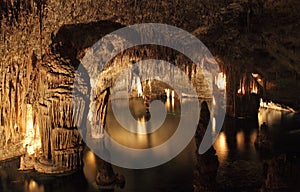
<point x="234" y="146"/>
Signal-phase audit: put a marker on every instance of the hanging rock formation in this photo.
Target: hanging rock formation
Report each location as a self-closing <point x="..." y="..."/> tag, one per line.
<point x="57" y="118"/>
<point x="240" y="33"/>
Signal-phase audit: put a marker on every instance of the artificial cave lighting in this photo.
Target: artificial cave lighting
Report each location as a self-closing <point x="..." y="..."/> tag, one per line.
<point x="253" y="87"/>
<point x="275" y="106"/>
<point x="250" y="86"/>
<point x="150" y="86"/>
<point x="214" y="125"/>
<point x="33" y="186"/>
<point x="139" y="87"/>
<point x="129" y="98"/>
<point x="221" y="81"/>
<point x="241" y="89"/>
<point x="254" y="90"/>
<point x="170" y="100"/>
<point x="32" y="141"/>
<point x="221" y="147"/>
<point x="167" y="91"/>
<point x="255" y="75"/>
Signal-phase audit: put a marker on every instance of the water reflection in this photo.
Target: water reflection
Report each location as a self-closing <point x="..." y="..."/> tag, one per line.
<point x="170" y="103"/>
<point x="12" y="180"/>
<point x="90" y="166"/>
<point x="33" y="186"/>
<point x="240" y="138"/>
<point x="141" y="126"/>
<point x="276" y="118"/>
<point x="143" y="141"/>
<point x="271" y="117"/>
<point x="221" y="147"/>
<point x="235" y="142"/>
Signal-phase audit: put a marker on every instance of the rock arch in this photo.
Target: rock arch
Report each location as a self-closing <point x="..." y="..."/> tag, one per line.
<point x="53" y="92"/>
<point x="55" y="76"/>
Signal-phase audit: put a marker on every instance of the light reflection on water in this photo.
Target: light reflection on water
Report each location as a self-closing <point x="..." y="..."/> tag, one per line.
<point x="33" y="186"/>
<point x="275" y="118"/>
<point x="235" y="142"/>
<point x="271" y="117"/>
<point x="221" y="147"/>
<point x="143" y="141"/>
<point x="90" y="166"/>
<point x="235" y="145"/>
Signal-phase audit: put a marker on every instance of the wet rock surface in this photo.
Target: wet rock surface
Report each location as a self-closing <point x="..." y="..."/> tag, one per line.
<point x="281" y="173"/>
<point x="255" y="36"/>
<point x="240" y="175"/>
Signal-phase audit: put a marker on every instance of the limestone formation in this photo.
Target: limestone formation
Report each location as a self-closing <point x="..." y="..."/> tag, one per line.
<point x="281" y="173"/>
<point x="207" y="163"/>
<point x="57" y="118"/>
<point x="42" y="42"/>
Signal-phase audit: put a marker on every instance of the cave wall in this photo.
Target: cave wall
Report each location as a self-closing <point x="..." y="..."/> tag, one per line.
<point x="126" y="59"/>
<point x="57" y="118"/>
<point x="241" y="33"/>
<point x="259" y="37"/>
<point x="28" y="27"/>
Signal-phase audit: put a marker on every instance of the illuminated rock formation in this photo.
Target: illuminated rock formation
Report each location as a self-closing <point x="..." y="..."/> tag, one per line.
<point x="42" y="43"/>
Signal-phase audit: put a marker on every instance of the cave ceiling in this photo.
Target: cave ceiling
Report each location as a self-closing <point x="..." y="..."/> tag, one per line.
<point x="256" y="36"/>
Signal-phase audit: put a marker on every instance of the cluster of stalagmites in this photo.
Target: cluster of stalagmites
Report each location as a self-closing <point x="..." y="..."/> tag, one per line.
<point x="67" y="147"/>
<point x="207" y="163"/>
<point x="106" y="176"/>
<point x="61" y="109"/>
<point x="16" y="93"/>
<point x="57" y="110"/>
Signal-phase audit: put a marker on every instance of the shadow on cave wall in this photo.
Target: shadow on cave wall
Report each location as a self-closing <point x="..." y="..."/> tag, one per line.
<point x="59" y="72"/>
<point x="70" y="41"/>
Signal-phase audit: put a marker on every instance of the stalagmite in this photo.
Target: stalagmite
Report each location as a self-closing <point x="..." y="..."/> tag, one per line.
<point x="207" y="163"/>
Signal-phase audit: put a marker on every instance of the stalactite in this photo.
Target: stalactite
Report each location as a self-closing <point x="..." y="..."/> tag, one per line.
<point x="40" y="6"/>
<point x="65" y="153"/>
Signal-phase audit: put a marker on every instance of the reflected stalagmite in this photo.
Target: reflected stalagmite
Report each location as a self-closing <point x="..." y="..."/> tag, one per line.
<point x="207" y="163"/>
